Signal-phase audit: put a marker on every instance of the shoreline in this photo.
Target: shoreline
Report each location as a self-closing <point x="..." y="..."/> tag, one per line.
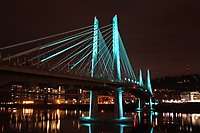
<point x="190" y="107"/>
<point x="162" y="107"/>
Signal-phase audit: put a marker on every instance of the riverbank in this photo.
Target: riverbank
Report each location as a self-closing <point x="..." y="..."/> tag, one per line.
<point x="83" y="107"/>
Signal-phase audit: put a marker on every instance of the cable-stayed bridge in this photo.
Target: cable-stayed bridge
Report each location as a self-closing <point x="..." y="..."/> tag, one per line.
<point x="93" y="57"/>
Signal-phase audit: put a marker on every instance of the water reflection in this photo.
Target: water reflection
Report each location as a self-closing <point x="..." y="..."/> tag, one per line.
<point x="115" y="128"/>
<point x="28" y="119"/>
<point x="185" y="122"/>
<point x="142" y="122"/>
<point x="56" y="120"/>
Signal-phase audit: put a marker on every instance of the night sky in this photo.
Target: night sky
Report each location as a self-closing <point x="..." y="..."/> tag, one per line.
<point x="162" y="35"/>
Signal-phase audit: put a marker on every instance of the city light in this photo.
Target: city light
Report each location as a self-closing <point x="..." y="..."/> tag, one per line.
<point x="58" y="101"/>
<point x="28" y="102"/>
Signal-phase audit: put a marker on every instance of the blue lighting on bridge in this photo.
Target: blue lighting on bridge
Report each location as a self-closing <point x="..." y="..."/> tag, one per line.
<point x="116" y="54"/>
<point x="95" y="45"/>
<point x="139" y="117"/>
<point x="62" y="51"/>
<point x="139" y="104"/>
<point x="150" y="103"/>
<point x="90" y="106"/>
<point x="149" y="82"/>
<point x="96" y="59"/>
<point x="120" y="103"/>
<point x="141" y="79"/>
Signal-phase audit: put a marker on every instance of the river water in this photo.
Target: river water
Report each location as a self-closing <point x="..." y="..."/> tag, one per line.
<point x="30" y="120"/>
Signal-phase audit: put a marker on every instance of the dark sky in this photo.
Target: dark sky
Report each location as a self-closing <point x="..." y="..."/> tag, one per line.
<point x="162" y="35"/>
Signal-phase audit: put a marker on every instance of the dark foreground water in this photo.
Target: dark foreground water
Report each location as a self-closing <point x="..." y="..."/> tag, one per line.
<point x="14" y="120"/>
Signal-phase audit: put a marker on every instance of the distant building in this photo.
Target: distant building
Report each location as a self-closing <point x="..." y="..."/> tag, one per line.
<point x="190" y="96"/>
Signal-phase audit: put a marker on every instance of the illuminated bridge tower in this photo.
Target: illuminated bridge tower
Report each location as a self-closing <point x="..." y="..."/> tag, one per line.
<point x="93" y="107"/>
<point x="117" y="69"/>
<point x="142" y="85"/>
<point x="149" y="88"/>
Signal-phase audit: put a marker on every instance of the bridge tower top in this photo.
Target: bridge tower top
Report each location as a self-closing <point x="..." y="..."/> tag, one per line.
<point x="149" y="82"/>
<point x="141" y="78"/>
<point x="95" y="45"/>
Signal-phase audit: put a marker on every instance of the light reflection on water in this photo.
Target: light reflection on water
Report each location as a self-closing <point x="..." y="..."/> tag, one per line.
<point x="56" y="121"/>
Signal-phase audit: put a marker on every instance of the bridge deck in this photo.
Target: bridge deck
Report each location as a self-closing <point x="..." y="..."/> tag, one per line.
<point x="11" y="75"/>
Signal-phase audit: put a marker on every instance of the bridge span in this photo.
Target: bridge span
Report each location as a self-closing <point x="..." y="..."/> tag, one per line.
<point x="91" y="57"/>
<point x="12" y="75"/>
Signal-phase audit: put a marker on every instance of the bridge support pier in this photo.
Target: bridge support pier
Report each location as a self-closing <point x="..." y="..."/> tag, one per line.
<point x="139" y="117"/>
<point x="139" y="105"/>
<point x="93" y="108"/>
<point x="150" y="104"/>
<point x="118" y="103"/>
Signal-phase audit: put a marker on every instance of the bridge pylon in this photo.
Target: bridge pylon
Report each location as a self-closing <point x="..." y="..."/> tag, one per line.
<point x="141" y="78"/>
<point x="93" y="107"/>
<point x="117" y="70"/>
<point x="149" y="88"/>
<point x="139" y="108"/>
